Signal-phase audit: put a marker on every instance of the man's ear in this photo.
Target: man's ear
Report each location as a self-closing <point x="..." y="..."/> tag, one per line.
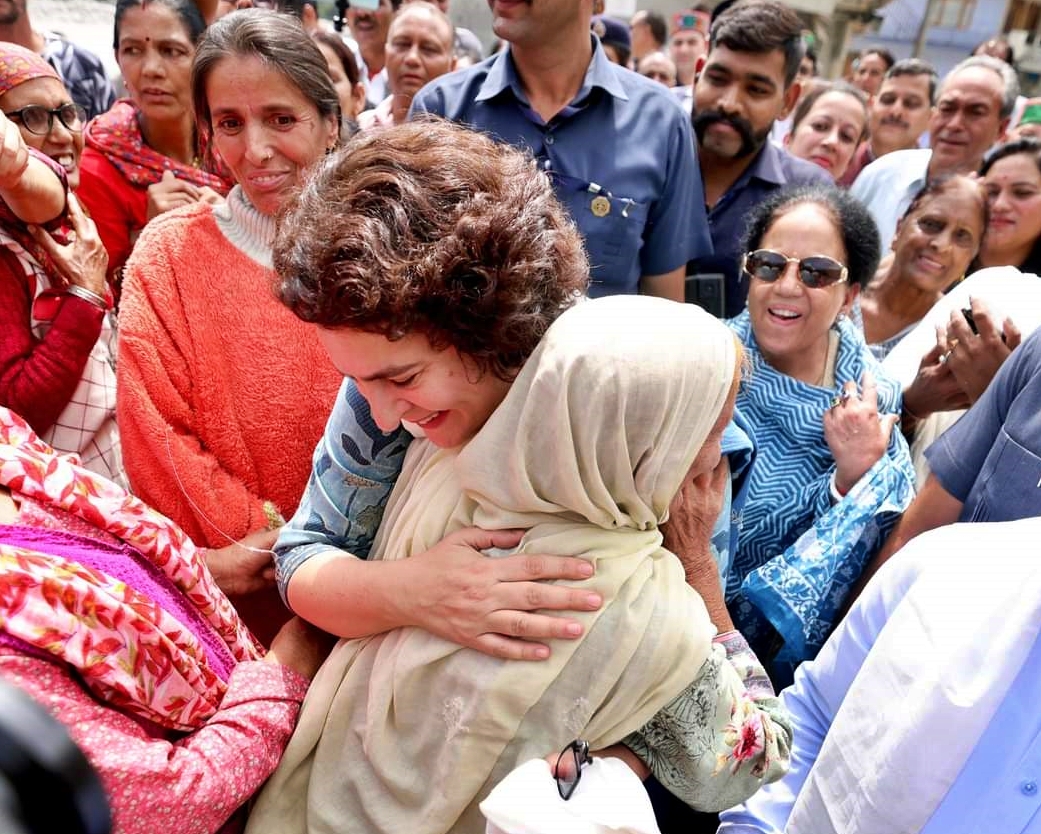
<point x="791" y="98"/>
<point x="1003" y="130"/>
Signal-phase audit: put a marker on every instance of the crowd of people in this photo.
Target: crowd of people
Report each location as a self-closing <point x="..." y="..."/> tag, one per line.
<point x="380" y="411"/>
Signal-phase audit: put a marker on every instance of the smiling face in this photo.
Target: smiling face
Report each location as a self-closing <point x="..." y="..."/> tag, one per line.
<point x="966" y="120"/>
<point x="737" y="96"/>
<point x="265" y="128"/>
<point x="419" y="49"/>
<point x="409" y="380"/>
<point x="829" y="133"/>
<point x="790" y="320"/>
<point x="935" y="243"/>
<point x="900" y="112"/>
<point x="62" y="145"/>
<point x="155" y="56"/>
<point x="1013" y="189"/>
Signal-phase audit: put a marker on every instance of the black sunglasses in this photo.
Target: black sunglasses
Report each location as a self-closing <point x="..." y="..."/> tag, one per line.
<point x="815" y="272"/>
<point x="569" y="766"/>
<point x="39" y="120"/>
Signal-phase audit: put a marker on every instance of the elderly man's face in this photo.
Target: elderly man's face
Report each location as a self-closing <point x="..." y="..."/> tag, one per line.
<point x="419" y="49"/>
<point x="966" y="120"/>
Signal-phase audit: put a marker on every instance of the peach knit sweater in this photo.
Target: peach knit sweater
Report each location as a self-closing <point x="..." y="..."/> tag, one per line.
<point x="222" y="392"/>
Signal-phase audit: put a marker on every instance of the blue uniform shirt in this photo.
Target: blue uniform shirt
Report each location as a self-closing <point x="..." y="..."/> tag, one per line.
<point x="621" y="156"/>
<point x="773" y="168"/>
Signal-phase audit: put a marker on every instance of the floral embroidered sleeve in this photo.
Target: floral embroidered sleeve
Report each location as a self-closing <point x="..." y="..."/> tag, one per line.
<point x="188" y="786"/>
<point x="723" y="737"/>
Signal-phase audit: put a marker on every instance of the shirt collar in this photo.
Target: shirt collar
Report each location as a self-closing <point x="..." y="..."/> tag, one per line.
<point x="502" y="76"/>
<point x="767" y="165"/>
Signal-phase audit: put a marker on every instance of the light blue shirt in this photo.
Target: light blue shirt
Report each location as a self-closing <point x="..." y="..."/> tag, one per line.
<point x="998" y="790"/>
<point x="621" y="157"/>
<point x="888" y="185"/>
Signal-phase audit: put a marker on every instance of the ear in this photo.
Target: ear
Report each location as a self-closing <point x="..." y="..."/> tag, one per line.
<point x="1002" y="130"/>
<point x="791" y="98"/>
<point x="332" y="133"/>
<point x="455" y="60"/>
<point x="358" y="94"/>
<point x="852" y="291"/>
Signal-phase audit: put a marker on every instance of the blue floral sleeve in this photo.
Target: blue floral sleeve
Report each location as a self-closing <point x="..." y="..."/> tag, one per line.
<point x="354" y="469"/>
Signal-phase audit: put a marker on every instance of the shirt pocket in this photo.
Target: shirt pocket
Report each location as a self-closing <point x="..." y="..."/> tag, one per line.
<point x="1010" y="483"/>
<point x="612" y="226"/>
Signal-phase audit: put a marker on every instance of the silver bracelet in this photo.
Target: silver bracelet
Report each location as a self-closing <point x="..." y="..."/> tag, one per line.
<point x="88" y="296"/>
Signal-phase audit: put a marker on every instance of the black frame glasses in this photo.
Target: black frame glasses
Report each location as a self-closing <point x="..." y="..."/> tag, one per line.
<point x="39" y="120"/>
<point x="815" y="272"/>
<point x="570" y="762"/>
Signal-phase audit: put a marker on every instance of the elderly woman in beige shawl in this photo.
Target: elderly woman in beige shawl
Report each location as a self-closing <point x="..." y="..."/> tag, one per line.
<point x="408" y="732"/>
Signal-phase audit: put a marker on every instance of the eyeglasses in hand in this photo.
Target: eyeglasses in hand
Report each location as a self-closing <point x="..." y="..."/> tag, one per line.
<point x="569" y="767"/>
<point x="40" y="121"/>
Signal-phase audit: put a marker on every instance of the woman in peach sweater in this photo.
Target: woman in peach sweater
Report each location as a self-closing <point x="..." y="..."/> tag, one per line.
<point x="224" y="393"/>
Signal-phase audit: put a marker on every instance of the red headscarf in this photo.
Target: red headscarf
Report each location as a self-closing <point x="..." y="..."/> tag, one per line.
<point x="18" y="65"/>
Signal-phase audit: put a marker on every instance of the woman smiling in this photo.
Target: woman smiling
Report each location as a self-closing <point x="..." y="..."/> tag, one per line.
<point x="830" y="474"/>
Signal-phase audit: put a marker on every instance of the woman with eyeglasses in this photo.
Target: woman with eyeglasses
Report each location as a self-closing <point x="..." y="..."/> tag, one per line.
<point x="57" y="334"/>
<point x="831" y="475"/>
<point x="144" y="156"/>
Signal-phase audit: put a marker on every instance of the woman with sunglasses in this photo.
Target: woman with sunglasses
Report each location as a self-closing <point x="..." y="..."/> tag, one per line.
<point x="830" y="475"/>
<point x="144" y="156"/>
<point x="57" y="335"/>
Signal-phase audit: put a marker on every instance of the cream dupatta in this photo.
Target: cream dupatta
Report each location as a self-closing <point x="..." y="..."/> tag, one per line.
<point x="407" y="732"/>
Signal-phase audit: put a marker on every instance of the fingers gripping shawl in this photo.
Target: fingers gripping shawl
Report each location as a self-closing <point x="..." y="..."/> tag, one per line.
<point x="406" y="732"/>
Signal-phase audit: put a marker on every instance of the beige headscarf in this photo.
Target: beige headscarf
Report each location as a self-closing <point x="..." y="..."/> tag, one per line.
<point x="407" y="732"/>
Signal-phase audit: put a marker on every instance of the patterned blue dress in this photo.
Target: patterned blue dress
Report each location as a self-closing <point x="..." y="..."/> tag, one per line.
<point x="798" y="554"/>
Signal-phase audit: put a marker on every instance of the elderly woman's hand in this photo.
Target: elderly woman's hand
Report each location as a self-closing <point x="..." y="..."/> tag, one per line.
<point x="83" y="261"/>
<point x="974" y="358"/>
<point x="856" y="434"/>
<point x="246" y="566"/>
<point x="688" y="534"/>
<point x="934" y="388"/>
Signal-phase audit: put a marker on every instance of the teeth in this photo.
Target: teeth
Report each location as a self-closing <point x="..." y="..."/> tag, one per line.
<point x="785" y="314"/>
<point x="426" y="420"/>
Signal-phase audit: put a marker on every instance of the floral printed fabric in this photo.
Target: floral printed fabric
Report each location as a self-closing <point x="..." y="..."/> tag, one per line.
<point x="723" y="737"/>
<point x="128" y="650"/>
<point x="117" y="135"/>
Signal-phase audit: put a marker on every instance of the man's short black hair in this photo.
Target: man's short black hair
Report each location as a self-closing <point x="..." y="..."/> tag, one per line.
<point x="761" y="26"/>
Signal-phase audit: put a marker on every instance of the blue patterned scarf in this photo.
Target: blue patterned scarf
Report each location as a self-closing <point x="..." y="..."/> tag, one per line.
<point x="798" y="555"/>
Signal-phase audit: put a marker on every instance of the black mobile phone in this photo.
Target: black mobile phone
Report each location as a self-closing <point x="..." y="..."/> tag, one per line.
<point x="971" y="319"/>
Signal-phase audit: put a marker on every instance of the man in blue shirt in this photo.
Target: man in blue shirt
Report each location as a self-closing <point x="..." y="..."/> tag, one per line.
<point x="747" y="80"/>
<point x="618" y="148"/>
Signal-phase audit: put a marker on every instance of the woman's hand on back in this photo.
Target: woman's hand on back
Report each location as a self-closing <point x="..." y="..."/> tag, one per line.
<point x="856" y="434"/>
<point x="488" y="603"/>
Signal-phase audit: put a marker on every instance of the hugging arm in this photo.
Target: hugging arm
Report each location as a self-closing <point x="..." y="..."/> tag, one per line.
<point x="452" y="590"/>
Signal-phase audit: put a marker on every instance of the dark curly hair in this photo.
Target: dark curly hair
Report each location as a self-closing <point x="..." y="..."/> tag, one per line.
<point x="432" y="228"/>
<point x="859" y="233"/>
